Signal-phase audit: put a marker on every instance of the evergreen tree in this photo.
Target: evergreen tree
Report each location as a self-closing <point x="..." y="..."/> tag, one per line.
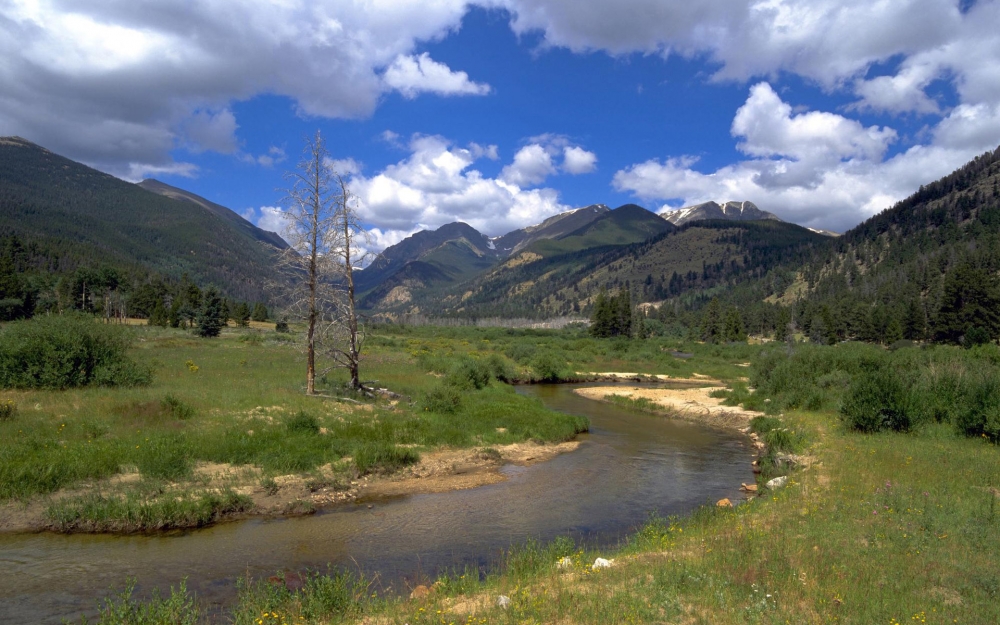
<point x="970" y="298"/>
<point x="241" y="315"/>
<point x="711" y="322"/>
<point x="893" y="331"/>
<point x="259" y="312"/>
<point x="623" y="313"/>
<point x="601" y="317"/>
<point x="159" y="316"/>
<point x="915" y="322"/>
<point x="210" y="319"/>
<point x="733" y="330"/>
<point x="173" y="316"/>
<point x="781" y="325"/>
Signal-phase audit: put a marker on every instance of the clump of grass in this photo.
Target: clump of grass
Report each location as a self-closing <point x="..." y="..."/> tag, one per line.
<point x="123" y="609"/>
<point x="302" y="423"/>
<point x="325" y="598"/>
<point x="379" y="456"/>
<point x="133" y="513"/>
<point x="634" y="403"/>
<point x="163" y="456"/>
<point x="8" y="410"/>
<point x="176" y="408"/>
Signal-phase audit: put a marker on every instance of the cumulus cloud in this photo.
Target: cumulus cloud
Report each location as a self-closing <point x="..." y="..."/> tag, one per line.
<point x="438" y="184"/>
<point x="576" y="160"/>
<point x="121" y="85"/>
<point x="413" y="75"/>
<point x="814" y="168"/>
<point x="532" y="165"/>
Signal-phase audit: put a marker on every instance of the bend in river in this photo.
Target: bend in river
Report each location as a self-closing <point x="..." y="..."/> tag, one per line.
<point x="629" y="466"/>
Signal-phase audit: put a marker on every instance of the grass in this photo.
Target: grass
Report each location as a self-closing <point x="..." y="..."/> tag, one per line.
<point x="240" y="402"/>
<point x="885" y="527"/>
<point x="133" y="513"/>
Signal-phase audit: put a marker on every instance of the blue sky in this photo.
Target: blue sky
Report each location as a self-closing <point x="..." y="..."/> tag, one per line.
<point x="501" y="113"/>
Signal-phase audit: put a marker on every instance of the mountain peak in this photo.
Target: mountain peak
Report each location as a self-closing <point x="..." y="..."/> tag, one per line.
<point x="731" y="210"/>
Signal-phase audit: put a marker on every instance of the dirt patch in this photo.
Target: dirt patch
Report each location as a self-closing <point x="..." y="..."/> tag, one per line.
<point x="696" y="379"/>
<point x="458" y="469"/>
<point x="695" y="404"/>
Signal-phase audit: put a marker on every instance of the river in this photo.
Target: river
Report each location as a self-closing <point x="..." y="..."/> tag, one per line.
<point x="628" y="466"/>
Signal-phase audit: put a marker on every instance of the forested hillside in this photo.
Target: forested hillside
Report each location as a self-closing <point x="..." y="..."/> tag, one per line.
<point x="926" y="268"/>
<point x="67" y="230"/>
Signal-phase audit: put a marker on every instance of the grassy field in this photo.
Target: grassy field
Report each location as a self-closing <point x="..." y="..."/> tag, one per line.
<point x="880" y="527"/>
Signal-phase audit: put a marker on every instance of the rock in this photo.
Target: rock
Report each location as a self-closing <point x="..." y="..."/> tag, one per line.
<point x="791" y="461"/>
<point x="777" y="482"/>
<point x="724" y="503"/>
<point x="601" y="563"/>
<point x="750" y="488"/>
<point x="565" y="563"/>
<point x="503" y="601"/>
<point x="420" y="592"/>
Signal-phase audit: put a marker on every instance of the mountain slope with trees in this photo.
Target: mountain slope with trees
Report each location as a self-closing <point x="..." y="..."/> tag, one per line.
<point x="66" y="218"/>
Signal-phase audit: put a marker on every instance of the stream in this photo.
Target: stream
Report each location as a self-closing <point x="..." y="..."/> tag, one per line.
<point x="629" y="465"/>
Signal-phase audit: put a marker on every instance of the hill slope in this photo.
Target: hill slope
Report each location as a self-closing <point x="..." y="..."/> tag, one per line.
<point x="89" y="218"/>
<point x="733" y="211"/>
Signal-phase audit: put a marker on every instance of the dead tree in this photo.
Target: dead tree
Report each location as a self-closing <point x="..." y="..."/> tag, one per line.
<point x="323" y="231"/>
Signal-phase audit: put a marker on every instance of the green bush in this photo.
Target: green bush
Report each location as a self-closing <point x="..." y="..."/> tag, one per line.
<point x="877" y="400"/>
<point x="501" y="368"/>
<point x="8" y="410"/>
<point x="302" y="423"/>
<point x="65" y="351"/>
<point x="469" y="374"/>
<point x="980" y="414"/>
<point x="763" y="425"/>
<point x="123" y="609"/>
<point x="443" y="399"/>
<point x="548" y="366"/>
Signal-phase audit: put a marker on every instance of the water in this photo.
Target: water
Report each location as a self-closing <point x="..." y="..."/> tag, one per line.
<point x="628" y="466"/>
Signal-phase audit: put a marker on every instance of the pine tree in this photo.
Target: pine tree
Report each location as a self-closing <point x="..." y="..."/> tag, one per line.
<point x="733" y="331"/>
<point x="259" y="312"/>
<point x="970" y="299"/>
<point x="602" y="316"/>
<point x="241" y="315"/>
<point x="159" y="316"/>
<point x="711" y="322"/>
<point x="915" y="322"/>
<point x="210" y="319"/>
<point x="781" y="326"/>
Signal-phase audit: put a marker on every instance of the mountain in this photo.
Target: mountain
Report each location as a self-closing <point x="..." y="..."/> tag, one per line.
<point x="700" y="256"/>
<point x="465" y="241"/>
<point x="83" y="218"/>
<point x="733" y="211"/>
<point x="622" y="226"/>
<point x="893" y="275"/>
<point x="264" y="236"/>
<point x="552" y="228"/>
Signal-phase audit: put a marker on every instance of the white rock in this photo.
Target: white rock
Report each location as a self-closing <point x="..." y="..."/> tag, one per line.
<point x="503" y="601"/>
<point x="601" y="563"/>
<point x="565" y="563"/>
<point x="777" y="482"/>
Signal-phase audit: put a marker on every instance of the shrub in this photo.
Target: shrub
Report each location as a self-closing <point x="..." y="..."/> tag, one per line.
<point x="548" y="366"/>
<point x="64" y="351"/>
<point x="281" y="326"/>
<point x="302" y="423"/>
<point x="980" y="413"/>
<point x="763" y="425"/>
<point x="469" y="374"/>
<point x="8" y="410"/>
<point x="877" y="400"/>
<point x="501" y="368"/>
<point x="122" y="609"/>
<point x="443" y="399"/>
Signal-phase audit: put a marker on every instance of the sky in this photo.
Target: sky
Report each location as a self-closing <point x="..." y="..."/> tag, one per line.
<point x="500" y="113"/>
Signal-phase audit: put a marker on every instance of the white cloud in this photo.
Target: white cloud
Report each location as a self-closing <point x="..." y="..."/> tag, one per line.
<point x="816" y="168"/>
<point x="116" y="84"/>
<point x="437" y="184"/>
<point x="344" y="166"/>
<point x="272" y="218"/>
<point x="576" y="160"/>
<point x="532" y="165"/>
<point x="413" y="75"/>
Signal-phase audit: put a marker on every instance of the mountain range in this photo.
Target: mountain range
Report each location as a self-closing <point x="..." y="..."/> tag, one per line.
<point x="894" y="265"/>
